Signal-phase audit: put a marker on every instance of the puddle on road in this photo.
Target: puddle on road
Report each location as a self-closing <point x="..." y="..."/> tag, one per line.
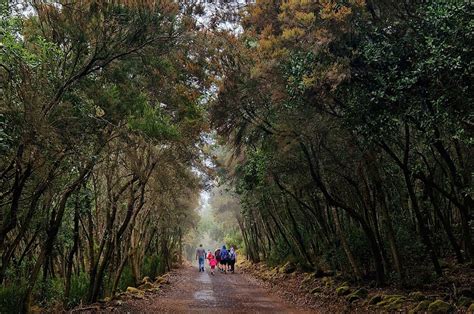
<point x="204" y="295"/>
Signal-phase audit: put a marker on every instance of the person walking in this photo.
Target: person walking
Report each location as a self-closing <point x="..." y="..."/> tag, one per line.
<point x="212" y="263"/>
<point x="217" y="255"/>
<point x="224" y="259"/>
<point x="200" y="256"/>
<point x="209" y="256"/>
<point x="232" y="259"/>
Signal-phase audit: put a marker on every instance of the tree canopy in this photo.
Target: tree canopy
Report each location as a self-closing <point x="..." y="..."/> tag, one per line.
<point x="351" y="126"/>
<point x="335" y="134"/>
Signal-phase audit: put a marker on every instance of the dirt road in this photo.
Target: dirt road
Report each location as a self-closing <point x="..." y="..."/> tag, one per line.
<point x="192" y="291"/>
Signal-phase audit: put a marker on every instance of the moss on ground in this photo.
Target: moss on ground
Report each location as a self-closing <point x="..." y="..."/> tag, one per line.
<point x="343" y="290"/>
<point x="417" y="296"/>
<point x="439" y="306"/>
<point x="420" y="307"/>
<point x="391" y="302"/>
<point x="375" y="299"/>
<point x="470" y="310"/>
<point x="357" y="295"/>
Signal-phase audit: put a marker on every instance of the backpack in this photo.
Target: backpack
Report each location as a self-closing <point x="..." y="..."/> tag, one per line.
<point x="224" y="255"/>
<point x="217" y="254"/>
<point x="232" y="256"/>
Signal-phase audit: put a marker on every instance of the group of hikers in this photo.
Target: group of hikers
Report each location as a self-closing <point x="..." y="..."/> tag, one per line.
<point x="223" y="258"/>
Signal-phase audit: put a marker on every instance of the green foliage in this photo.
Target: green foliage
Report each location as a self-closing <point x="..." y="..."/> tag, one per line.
<point x="334" y="257"/>
<point x="439" y="306"/>
<point x="78" y="292"/>
<point x="50" y="292"/>
<point x="345" y="108"/>
<point x="416" y="73"/>
<point x="234" y="238"/>
<point x="297" y="72"/>
<point x="126" y="280"/>
<point x="153" y="266"/>
<point x="154" y="124"/>
<point x="253" y="172"/>
<point x="12" y="298"/>
<point x="279" y="254"/>
<point x="93" y="96"/>
<point x="358" y="243"/>
<point x="415" y="258"/>
<point x="359" y="108"/>
<point x="5" y="139"/>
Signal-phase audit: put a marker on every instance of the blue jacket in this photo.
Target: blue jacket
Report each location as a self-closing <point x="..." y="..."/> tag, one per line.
<point x="224" y="252"/>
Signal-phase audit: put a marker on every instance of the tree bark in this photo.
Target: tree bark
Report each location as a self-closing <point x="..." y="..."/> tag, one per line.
<point x="345" y="245"/>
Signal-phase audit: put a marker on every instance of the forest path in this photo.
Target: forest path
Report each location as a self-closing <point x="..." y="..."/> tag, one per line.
<point x="194" y="291"/>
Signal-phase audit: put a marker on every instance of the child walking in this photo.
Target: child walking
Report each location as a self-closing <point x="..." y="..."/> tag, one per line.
<point x="209" y="256"/>
<point x="212" y="263"/>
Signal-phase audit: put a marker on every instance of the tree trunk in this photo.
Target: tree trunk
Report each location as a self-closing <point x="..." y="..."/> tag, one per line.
<point x="53" y="231"/>
<point x="345" y="245"/>
<point x="70" y="258"/>
<point x="446" y="226"/>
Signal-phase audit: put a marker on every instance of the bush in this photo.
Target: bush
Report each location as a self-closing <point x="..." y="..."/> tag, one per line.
<point x="415" y="259"/>
<point x="360" y="247"/>
<point x="11" y="298"/>
<point x="152" y="266"/>
<point x="126" y="280"/>
<point x="334" y="257"/>
<point x="234" y="237"/>
<point x="49" y="292"/>
<point x="78" y="291"/>
<point x="278" y="254"/>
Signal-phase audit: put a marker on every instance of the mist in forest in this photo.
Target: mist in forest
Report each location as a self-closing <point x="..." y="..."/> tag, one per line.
<point x="217" y="225"/>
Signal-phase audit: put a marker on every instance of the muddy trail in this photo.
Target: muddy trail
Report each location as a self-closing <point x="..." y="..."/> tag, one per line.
<point x="193" y="291"/>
